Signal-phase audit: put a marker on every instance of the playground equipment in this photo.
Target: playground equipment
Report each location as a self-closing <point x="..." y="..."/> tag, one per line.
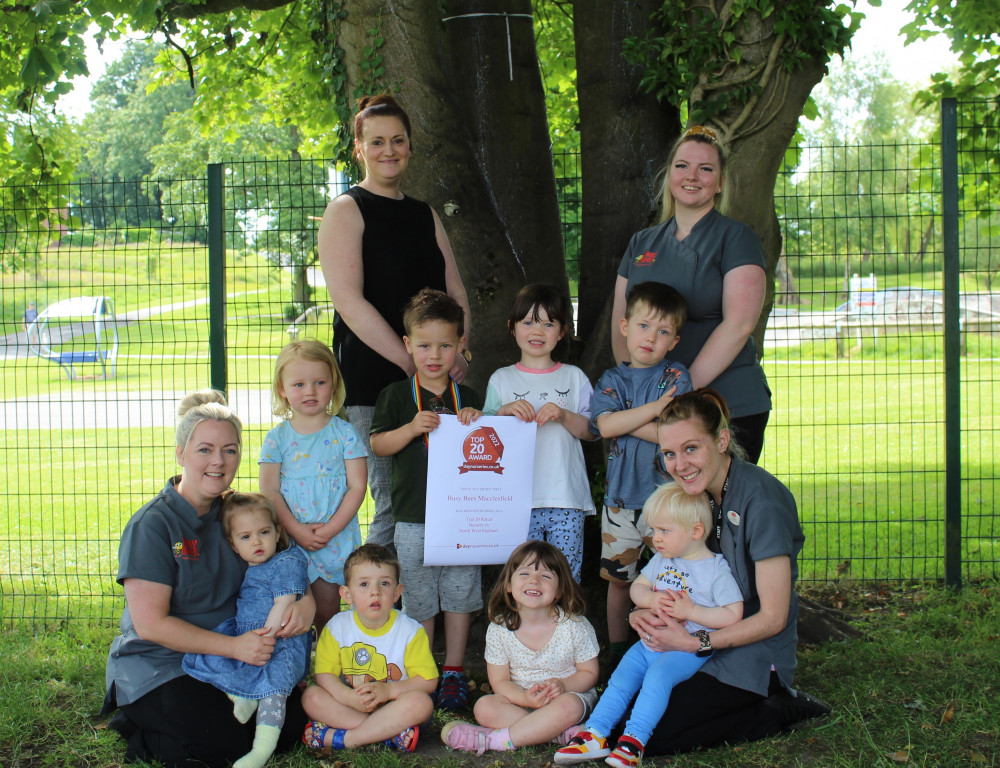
<point x="76" y="331"/>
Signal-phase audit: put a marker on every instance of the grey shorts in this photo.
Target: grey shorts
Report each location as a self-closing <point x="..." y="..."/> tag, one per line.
<point x="430" y="589"/>
<point x="624" y="536"/>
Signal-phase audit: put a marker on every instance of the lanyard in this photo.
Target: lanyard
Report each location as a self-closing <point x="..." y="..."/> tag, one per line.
<point x="419" y="401"/>
<point x="717" y="508"/>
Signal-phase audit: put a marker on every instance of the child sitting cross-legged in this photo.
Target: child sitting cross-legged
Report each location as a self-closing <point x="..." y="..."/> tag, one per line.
<point x="684" y="581"/>
<point x="541" y="657"/>
<point x="374" y="668"/>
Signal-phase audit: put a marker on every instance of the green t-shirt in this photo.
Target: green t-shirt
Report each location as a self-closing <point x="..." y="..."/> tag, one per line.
<point x="408" y="480"/>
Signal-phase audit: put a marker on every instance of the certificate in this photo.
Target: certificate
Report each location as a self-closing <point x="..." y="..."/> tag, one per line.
<point x="479" y="481"/>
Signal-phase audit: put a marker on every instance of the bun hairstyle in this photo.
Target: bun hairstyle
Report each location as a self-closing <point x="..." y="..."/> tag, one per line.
<point x="707" y="407"/>
<point x="204" y="405"/>
<point x="701" y="135"/>
<point x="503" y="610"/>
<point x="380" y="105"/>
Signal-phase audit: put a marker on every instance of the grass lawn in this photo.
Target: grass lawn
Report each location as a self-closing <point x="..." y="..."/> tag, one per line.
<point x="921" y="687"/>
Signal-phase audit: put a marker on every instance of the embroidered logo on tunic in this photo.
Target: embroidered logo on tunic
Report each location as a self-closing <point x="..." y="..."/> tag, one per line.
<point x="645" y="259"/>
<point x="186" y="549"/>
<point x="734" y="518"/>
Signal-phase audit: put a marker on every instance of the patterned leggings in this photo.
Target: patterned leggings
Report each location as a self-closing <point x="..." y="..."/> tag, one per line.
<point x="563" y="528"/>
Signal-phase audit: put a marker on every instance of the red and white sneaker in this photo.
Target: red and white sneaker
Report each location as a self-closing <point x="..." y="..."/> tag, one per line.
<point x="627" y="753"/>
<point x="585" y="746"/>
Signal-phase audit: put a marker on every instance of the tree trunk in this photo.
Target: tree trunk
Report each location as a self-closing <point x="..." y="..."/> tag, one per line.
<point x="625" y="137"/>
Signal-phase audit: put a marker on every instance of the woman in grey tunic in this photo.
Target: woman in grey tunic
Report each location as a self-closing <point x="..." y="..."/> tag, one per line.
<point x="743" y="692"/>
<point x="717" y="264"/>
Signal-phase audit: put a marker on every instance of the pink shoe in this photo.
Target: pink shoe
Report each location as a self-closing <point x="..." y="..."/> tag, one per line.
<point x="466" y="737"/>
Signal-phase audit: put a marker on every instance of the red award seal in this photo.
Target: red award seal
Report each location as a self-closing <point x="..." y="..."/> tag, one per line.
<point x="482" y="450"/>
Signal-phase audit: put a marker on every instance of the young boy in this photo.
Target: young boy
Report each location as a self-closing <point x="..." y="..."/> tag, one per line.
<point x="374" y="668"/>
<point x="404" y="413"/>
<point x="624" y="406"/>
<point x="682" y="581"/>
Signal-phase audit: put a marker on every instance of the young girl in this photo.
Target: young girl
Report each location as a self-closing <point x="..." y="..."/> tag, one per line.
<point x="541" y="657"/>
<point x="313" y="468"/>
<point x="276" y="577"/>
<point x="557" y="398"/>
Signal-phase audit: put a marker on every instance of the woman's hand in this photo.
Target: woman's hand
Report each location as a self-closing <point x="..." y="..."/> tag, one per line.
<point x="254" y="647"/>
<point x="660" y="633"/>
<point x="459" y="370"/>
<point x="298" y="619"/>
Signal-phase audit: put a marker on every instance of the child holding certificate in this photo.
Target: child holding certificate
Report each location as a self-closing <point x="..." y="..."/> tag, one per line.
<point x="404" y="413"/>
<point x="556" y="397"/>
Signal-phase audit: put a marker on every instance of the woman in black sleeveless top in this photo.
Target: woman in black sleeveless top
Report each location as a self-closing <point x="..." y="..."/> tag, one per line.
<point x="378" y="248"/>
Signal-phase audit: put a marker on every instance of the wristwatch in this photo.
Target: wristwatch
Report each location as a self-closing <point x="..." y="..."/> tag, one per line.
<point x="706" y="644"/>
<point x="467" y="354"/>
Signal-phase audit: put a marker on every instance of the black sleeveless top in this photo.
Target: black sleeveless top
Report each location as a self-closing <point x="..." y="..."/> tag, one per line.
<point x="400" y="255"/>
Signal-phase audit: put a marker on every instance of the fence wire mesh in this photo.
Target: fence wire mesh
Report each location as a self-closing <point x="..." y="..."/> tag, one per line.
<point x="853" y="351"/>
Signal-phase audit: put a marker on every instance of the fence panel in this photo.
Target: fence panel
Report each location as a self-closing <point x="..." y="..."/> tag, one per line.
<point x="854" y="352"/>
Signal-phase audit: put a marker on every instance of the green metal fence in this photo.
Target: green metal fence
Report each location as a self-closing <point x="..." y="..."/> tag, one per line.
<point x="882" y="428"/>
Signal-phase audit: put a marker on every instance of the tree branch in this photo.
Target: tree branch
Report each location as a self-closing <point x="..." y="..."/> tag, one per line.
<point x="181" y="10"/>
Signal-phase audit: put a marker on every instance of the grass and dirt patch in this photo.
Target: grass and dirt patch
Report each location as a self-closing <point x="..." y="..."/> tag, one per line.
<point x="921" y="687"/>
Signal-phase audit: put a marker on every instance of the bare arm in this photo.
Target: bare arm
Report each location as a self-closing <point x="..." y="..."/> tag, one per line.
<point x="149" y="606"/>
<point x="630" y="421"/>
<point x="339" y="242"/>
<point x="500" y="682"/>
<point x="281" y="604"/>
<point x="394" y="440"/>
<point x="576" y="424"/>
<point x="340" y="691"/>
<point x="306" y="536"/>
<point x="617" y="313"/>
<point x="456" y="289"/>
<point x="742" y="300"/>
<point x="357" y="484"/>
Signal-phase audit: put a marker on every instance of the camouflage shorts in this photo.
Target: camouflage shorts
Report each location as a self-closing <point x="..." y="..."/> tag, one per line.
<point x="624" y="536"/>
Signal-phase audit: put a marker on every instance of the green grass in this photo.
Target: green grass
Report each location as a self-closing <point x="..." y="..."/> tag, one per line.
<point x="920" y="687"/>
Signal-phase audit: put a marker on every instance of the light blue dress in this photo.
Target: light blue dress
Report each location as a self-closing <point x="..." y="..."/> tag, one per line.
<point x="313" y="483"/>
<point x="283" y="574"/>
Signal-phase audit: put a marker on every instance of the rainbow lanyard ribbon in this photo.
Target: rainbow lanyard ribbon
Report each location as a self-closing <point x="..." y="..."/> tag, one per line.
<point x="418" y="400"/>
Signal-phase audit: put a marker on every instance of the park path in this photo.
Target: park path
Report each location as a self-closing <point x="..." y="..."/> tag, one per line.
<point x="68" y="408"/>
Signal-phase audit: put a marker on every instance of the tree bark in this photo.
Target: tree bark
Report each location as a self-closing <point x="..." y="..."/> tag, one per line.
<point x="625" y="136"/>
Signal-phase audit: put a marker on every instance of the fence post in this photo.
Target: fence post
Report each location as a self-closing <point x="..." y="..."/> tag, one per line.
<point x="952" y="348"/>
<point x="216" y="280"/>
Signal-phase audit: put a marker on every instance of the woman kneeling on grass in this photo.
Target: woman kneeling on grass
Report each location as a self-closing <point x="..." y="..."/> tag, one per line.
<point x="743" y="692"/>
<point x="181" y="578"/>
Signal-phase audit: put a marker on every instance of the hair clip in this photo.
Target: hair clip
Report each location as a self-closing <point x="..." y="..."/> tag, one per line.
<point x="701" y="130"/>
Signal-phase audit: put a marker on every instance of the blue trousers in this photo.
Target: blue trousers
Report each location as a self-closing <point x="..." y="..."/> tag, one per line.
<point x="653" y="675"/>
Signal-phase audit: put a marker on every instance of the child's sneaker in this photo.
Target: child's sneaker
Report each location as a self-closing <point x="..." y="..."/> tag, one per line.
<point x="454" y="690"/>
<point x="585" y="746"/>
<point x="627" y="754"/>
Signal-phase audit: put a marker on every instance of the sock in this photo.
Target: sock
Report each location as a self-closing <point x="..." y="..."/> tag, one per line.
<point x="243" y="709"/>
<point x="265" y="739"/>
<point x="458" y="670"/>
<point x="499" y="740"/>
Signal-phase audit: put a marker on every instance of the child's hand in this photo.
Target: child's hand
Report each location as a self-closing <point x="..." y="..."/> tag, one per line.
<point x="373" y="695"/>
<point x="550" y="412"/>
<point x="664" y="399"/>
<point x="680" y="605"/>
<point x="537" y="695"/>
<point x="553" y="688"/>
<point x="424" y="422"/>
<point x="308" y="536"/>
<point x="469" y="415"/>
<point x="524" y="410"/>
